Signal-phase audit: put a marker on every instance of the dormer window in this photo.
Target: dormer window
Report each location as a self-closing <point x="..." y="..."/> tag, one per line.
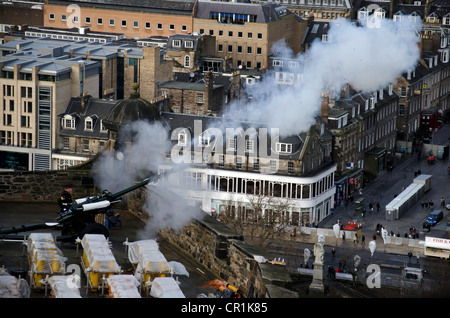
<point x="88" y="126"/>
<point x="277" y="63"/>
<point x="283" y="147"/>
<point x="390" y="89"/>
<point x="381" y="94"/>
<point x="363" y="14"/>
<point x="176" y="43"/>
<point x="102" y="127"/>
<point x="380" y="13"/>
<point x="188" y="44"/>
<point x="68" y="122"/>
<point x="446" y="20"/>
<point x="326" y="38"/>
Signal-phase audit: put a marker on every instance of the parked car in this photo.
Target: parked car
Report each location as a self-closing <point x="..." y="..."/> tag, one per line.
<point x="434" y="218"/>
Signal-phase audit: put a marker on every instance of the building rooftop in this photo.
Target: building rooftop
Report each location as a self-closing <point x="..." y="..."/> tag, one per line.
<point x="265" y="13"/>
<point x="162" y="6"/>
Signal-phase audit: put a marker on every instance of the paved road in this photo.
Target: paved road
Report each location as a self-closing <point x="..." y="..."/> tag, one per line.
<point x="12" y="255"/>
<point x="384" y="188"/>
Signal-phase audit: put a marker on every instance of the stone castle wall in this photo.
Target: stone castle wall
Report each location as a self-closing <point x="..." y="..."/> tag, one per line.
<point x="44" y="185"/>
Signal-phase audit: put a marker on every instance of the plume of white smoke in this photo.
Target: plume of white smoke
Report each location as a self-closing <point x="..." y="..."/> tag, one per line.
<point x="141" y="152"/>
<point x="368" y="58"/>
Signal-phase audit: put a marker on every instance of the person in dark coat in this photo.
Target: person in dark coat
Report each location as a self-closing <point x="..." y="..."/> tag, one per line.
<point x="65" y="199"/>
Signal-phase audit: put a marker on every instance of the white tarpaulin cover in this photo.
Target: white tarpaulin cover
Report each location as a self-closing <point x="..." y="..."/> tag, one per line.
<point x="63" y="287"/>
<point x="44" y="255"/>
<point x="165" y="287"/>
<point x="178" y="268"/>
<point x="100" y="259"/>
<point x="123" y="286"/>
<point x="141" y="247"/>
<point x="8" y="287"/>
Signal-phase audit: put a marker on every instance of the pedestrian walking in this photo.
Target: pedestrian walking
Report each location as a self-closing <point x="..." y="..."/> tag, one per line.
<point x="333" y="251"/>
<point x="442" y="202"/>
<point x="430" y="204"/>
<point x="417" y="255"/>
<point x="378" y="206"/>
<point x="363" y="239"/>
<point x="371" y="207"/>
<point x="410" y="255"/>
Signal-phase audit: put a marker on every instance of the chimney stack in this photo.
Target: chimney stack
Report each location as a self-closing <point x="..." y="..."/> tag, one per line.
<point x="324" y="107"/>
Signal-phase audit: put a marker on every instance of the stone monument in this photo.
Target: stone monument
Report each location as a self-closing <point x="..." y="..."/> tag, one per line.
<point x="317" y="283"/>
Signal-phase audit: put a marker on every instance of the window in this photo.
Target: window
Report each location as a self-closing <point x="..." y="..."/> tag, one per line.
<point x="102" y="127"/>
<point x="220" y="32"/>
<point x="182" y="139"/>
<point x="135" y="24"/>
<point x="230" y="33"/>
<point x="66" y="143"/>
<point x="68" y="122"/>
<point x="238" y="163"/>
<point x="211" y="32"/>
<point x="189" y="44"/>
<point x="259" y="35"/>
<point x="258" y="51"/>
<point x="171" y="26"/>
<point x="249" y="50"/>
<point x="256" y="164"/>
<point x="277" y="63"/>
<point x="85" y="144"/>
<point x="159" y="26"/>
<point x="87" y="20"/>
<point x="199" y="98"/>
<point x="147" y="25"/>
<point x="187" y="61"/>
<point x="273" y="166"/>
<point x="230" y="49"/>
<point x="176" y="43"/>
<point x="249" y="145"/>
<point x="100" y="21"/>
<point x="124" y="23"/>
<point x="250" y="35"/>
<point x="239" y="34"/>
<point x="239" y="49"/>
<point x="51" y="16"/>
<point x="88" y="124"/>
<point x="112" y="22"/>
<point x="63" y="17"/>
<point x="290" y="167"/>
<point x="220" y="48"/>
<point x="283" y="147"/>
<point x="249" y="64"/>
<point x="183" y="28"/>
<point x="221" y="161"/>
<point x="231" y="144"/>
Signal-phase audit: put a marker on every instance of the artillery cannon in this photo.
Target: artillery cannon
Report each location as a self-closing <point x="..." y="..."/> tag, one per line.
<point x="79" y="218"/>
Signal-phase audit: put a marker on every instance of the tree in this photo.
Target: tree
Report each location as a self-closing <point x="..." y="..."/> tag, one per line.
<point x="261" y="220"/>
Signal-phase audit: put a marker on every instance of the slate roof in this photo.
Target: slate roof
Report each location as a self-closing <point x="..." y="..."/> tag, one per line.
<point x="95" y="108"/>
<point x="265" y="13"/>
<point x="315" y="31"/>
<point x="176" y="121"/>
<point x="171" y="6"/>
